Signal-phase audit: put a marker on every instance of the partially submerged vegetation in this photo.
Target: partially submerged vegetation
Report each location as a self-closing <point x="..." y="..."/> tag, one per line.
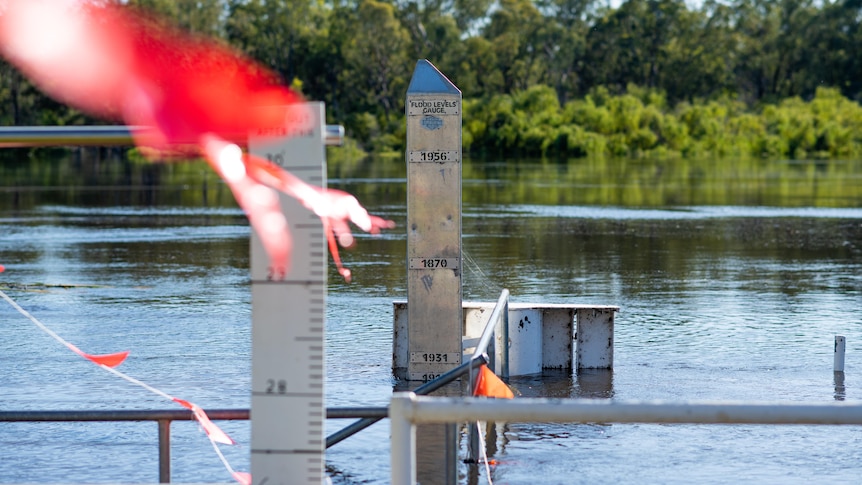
<point x="641" y="123"/>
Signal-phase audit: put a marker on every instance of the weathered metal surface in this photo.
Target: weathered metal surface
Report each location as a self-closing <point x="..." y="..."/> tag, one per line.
<point x="595" y="336"/>
<point x="557" y="335"/>
<point x="433" y="223"/>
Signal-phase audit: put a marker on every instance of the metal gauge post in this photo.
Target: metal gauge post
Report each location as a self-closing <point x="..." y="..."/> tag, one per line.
<point x="433" y="109"/>
<point x="288" y="318"/>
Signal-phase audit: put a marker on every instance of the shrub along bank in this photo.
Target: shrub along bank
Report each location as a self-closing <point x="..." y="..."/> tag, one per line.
<point x="640" y="123"/>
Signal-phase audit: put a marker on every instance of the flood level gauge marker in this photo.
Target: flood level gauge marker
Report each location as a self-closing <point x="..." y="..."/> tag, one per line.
<point x="288" y="318"/>
<point x="433" y="223"/>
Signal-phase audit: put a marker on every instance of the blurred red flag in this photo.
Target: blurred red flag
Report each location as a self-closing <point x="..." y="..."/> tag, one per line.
<point x="195" y="96"/>
<point x="489" y="385"/>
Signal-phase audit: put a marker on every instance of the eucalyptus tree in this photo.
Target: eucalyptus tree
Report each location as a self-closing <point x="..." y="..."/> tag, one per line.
<point x="630" y="44"/>
<point x="10" y="95"/>
<point x="277" y="33"/>
<point x="699" y="60"/>
<point x="567" y="24"/>
<point x="434" y="32"/>
<point x="201" y="16"/>
<point x="518" y="33"/>
<point x="376" y="52"/>
<point x="773" y="47"/>
<point x="832" y="41"/>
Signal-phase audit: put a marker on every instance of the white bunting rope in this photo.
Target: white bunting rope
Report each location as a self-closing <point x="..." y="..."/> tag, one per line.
<point x="107" y="362"/>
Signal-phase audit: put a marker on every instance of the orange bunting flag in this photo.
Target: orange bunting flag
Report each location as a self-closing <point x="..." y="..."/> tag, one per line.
<point x="489" y="385"/>
<point x="108" y="360"/>
<point x="243" y="478"/>
<point x="214" y="432"/>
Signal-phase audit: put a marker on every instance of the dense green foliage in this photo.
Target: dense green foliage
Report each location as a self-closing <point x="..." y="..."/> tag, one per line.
<point x="572" y="78"/>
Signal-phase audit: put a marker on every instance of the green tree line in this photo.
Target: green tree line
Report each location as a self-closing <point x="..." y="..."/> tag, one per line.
<point x="553" y="77"/>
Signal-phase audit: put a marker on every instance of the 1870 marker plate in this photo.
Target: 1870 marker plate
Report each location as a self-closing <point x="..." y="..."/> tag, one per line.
<point x="433" y="263"/>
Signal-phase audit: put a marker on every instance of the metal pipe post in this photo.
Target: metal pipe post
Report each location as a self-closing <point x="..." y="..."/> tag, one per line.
<point x="403" y="440"/>
<point x="164" y="451"/>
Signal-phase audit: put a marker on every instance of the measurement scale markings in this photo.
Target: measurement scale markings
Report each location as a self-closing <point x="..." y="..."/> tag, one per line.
<point x="291" y="451"/>
<point x="303" y="168"/>
<point x="308" y="339"/>
<point x="286" y="394"/>
<point x="288" y="281"/>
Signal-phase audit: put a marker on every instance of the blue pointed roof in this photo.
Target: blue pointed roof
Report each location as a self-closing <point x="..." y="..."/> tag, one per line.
<point x="428" y="80"/>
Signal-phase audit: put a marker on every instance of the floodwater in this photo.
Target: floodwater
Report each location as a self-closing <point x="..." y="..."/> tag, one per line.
<point x="732" y="277"/>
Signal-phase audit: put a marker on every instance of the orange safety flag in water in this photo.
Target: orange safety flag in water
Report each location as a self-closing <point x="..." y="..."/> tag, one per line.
<point x="190" y="96"/>
<point x="489" y="385"/>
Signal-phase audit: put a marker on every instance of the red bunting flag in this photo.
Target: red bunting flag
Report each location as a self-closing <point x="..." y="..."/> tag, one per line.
<point x="489" y="385"/>
<point x="193" y="95"/>
<point x="214" y="432"/>
<point x="243" y="478"/>
<point x="108" y="362"/>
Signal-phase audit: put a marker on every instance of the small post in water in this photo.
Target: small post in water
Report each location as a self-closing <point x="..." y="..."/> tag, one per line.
<point x="838" y="359"/>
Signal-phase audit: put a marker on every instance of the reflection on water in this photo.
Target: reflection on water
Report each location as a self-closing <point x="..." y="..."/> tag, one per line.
<point x="840" y="393"/>
<point x="732" y="279"/>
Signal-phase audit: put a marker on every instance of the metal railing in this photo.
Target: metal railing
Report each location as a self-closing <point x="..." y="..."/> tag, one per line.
<point x="164" y="418"/>
<point x="406" y="410"/>
<point x="366" y="415"/>
<point x="98" y="135"/>
<point x="424" y="389"/>
<point x="497" y="325"/>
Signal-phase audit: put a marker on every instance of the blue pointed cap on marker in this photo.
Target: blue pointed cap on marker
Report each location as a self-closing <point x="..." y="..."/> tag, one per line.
<point x="428" y="80"/>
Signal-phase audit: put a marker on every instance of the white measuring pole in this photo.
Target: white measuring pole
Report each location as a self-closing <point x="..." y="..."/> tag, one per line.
<point x="288" y="318"/>
<point x="434" y="312"/>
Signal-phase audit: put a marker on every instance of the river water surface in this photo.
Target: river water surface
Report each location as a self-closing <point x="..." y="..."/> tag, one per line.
<point x="732" y="279"/>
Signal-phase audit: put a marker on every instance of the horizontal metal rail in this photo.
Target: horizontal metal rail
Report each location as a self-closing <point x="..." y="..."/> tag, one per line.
<point x="170" y="415"/>
<point x="164" y="419"/>
<point x="407" y="409"/>
<point x="98" y="135"/>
